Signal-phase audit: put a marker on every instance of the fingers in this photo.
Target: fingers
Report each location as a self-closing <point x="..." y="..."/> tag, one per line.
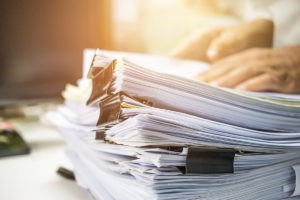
<point x="253" y="76"/>
<point x="214" y="43"/>
<point x="248" y="79"/>
<point x="224" y="66"/>
<point x="232" y="74"/>
<point x="214" y="73"/>
<point x="196" y="44"/>
<point x="263" y="82"/>
<point x="257" y="70"/>
<point x="236" y="76"/>
<point x="234" y="68"/>
<point x="227" y="43"/>
<point x="257" y="33"/>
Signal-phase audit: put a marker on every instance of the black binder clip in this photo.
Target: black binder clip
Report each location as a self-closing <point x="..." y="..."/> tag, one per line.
<point x="111" y="107"/>
<point x="101" y="81"/>
<point x="209" y="161"/>
<point x="100" y="135"/>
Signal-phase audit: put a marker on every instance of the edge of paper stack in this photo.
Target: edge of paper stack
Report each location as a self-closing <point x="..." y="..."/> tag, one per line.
<point x="134" y="133"/>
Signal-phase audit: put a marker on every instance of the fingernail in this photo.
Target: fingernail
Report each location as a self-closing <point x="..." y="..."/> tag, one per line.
<point x="240" y="87"/>
<point x="214" y="83"/>
<point x="211" y="52"/>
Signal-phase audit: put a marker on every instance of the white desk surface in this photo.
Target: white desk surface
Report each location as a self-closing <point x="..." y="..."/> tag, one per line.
<point x="34" y="176"/>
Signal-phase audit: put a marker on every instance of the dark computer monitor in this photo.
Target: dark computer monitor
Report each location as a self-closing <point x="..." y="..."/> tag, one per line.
<point x="41" y="44"/>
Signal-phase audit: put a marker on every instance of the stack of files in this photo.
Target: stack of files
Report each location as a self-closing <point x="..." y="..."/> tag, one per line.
<point x="166" y="91"/>
<point x="134" y="133"/>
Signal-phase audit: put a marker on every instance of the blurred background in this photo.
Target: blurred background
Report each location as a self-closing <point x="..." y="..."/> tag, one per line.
<point x="158" y="26"/>
<point x="42" y="41"/>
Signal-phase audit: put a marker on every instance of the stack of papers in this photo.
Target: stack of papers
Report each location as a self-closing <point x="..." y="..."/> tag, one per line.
<point x="188" y="96"/>
<point x="140" y="134"/>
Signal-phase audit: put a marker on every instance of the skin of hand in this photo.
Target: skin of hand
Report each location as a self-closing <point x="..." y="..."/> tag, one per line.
<point x="257" y="69"/>
<point x="211" y="44"/>
<point x="195" y="46"/>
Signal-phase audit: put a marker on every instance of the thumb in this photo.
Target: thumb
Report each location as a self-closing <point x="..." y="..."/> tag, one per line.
<point x="215" y="49"/>
<point x="196" y="44"/>
<point x="257" y="33"/>
<point x="224" y="45"/>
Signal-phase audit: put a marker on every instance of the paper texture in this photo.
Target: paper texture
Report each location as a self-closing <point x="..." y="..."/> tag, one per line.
<point x="144" y="134"/>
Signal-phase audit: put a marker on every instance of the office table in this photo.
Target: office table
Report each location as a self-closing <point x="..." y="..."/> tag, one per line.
<point x="34" y="176"/>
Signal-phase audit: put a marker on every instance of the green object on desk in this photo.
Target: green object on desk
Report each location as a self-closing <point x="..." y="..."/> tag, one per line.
<point x="11" y="143"/>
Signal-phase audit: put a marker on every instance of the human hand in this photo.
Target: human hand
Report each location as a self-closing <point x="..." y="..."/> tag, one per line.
<point x="211" y="44"/>
<point x="257" y="69"/>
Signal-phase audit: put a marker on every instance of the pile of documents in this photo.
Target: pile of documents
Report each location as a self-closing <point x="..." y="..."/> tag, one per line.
<point x="135" y="133"/>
